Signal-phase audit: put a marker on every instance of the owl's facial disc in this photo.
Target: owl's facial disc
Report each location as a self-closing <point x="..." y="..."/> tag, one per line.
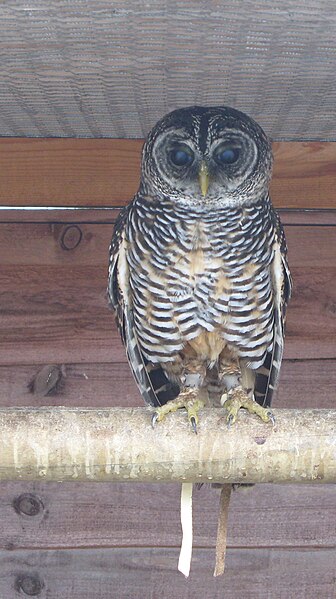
<point x="204" y="156"/>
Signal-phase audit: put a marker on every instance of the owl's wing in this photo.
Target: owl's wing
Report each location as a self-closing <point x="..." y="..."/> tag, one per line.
<point x="151" y="380"/>
<point x="115" y="292"/>
<point x="267" y="377"/>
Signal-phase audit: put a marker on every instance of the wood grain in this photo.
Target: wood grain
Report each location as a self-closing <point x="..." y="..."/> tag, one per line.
<point x="112" y="515"/>
<point x="140" y="573"/>
<point x="105" y="172"/>
<point x="68" y="172"/>
<point x="303" y="384"/>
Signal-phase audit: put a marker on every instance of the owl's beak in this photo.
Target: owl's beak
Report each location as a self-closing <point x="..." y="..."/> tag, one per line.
<point x="203" y="177"/>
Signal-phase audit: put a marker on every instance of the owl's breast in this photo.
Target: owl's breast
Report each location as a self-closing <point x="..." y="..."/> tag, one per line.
<point x="201" y="282"/>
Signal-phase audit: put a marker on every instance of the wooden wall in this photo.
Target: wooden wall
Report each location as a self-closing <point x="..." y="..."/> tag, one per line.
<point x="79" y="541"/>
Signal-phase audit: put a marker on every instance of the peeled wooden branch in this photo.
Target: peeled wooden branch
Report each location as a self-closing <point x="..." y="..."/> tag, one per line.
<point x="118" y="444"/>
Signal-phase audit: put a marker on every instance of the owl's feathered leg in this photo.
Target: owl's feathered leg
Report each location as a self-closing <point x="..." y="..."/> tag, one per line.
<point x="239" y="383"/>
<point x="193" y="397"/>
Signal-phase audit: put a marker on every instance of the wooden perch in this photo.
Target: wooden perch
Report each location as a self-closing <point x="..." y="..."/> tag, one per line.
<point x="118" y="444"/>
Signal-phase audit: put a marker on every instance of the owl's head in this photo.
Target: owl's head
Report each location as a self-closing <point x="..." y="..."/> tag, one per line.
<point x="204" y="156"/>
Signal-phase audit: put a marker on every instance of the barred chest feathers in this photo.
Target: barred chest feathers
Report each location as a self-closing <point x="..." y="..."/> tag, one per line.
<point x="202" y="279"/>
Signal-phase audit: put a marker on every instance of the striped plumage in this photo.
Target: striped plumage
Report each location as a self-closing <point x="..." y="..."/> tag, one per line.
<point x="200" y="282"/>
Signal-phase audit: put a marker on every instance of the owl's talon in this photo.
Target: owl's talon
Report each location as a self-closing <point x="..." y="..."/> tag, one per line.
<point x="189" y="400"/>
<point x="271" y="417"/>
<point x="230" y="420"/>
<point x="193" y="424"/>
<point x="238" y="398"/>
<point x="155" y="418"/>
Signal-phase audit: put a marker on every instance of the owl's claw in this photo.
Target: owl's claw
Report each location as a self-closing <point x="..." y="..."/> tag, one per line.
<point x="155" y="418"/>
<point x="193" y="424"/>
<point x="238" y="398"/>
<point x="271" y="417"/>
<point x="230" y="420"/>
<point x="189" y="400"/>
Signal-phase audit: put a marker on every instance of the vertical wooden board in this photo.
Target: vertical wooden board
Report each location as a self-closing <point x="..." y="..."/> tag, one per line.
<point x="142" y="573"/>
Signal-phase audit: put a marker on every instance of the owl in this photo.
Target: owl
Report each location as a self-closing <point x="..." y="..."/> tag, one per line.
<point x="198" y="271"/>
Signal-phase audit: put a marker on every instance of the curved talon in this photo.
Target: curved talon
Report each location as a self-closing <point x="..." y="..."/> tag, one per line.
<point x="190" y="401"/>
<point x="271" y="417"/>
<point x="230" y="420"/>
<point x="193" y="424"/>
<point x="155" y="418"/>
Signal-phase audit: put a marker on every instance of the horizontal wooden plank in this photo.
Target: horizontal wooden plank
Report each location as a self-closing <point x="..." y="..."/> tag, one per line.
<point x="140" y="573"/>
<point x="104" y="514"/>
<point x="81" y="215"/>
<point x="303" y="384"/>
<point x="105" y="172"/>
<point x="62" y="215"/>
<point x="304" y="175"/>
<point x="54" y="307"/>
<point x="307" y="384"/>
<point x="68" y="172"/>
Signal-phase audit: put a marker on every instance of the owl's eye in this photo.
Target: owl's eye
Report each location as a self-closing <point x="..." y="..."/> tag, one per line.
<point x="227" y="155"/>
<point x="181" y="156"/>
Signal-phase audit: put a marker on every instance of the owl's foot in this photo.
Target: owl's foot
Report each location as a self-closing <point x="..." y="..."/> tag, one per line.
<point x="189" y="400"/>
<point x="237" y="398"/>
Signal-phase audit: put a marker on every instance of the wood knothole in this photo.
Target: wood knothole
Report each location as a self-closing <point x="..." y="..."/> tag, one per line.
<point x="70" y="237"/>
<point x="28" y="504"/>
<point x="29" y="584"/>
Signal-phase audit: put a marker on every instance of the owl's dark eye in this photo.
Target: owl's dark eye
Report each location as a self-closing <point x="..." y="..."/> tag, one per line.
<point x="181" y="156"/>
<point x="227" y="155"/>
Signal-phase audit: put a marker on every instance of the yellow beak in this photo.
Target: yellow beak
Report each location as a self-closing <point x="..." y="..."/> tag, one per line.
<point x="203" y="177"/>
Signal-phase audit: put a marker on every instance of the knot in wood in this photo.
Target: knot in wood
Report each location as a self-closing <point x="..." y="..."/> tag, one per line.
<point x="71" y="237"/>
<point x="29" y="584"/>
<point x="28" y="504"/>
